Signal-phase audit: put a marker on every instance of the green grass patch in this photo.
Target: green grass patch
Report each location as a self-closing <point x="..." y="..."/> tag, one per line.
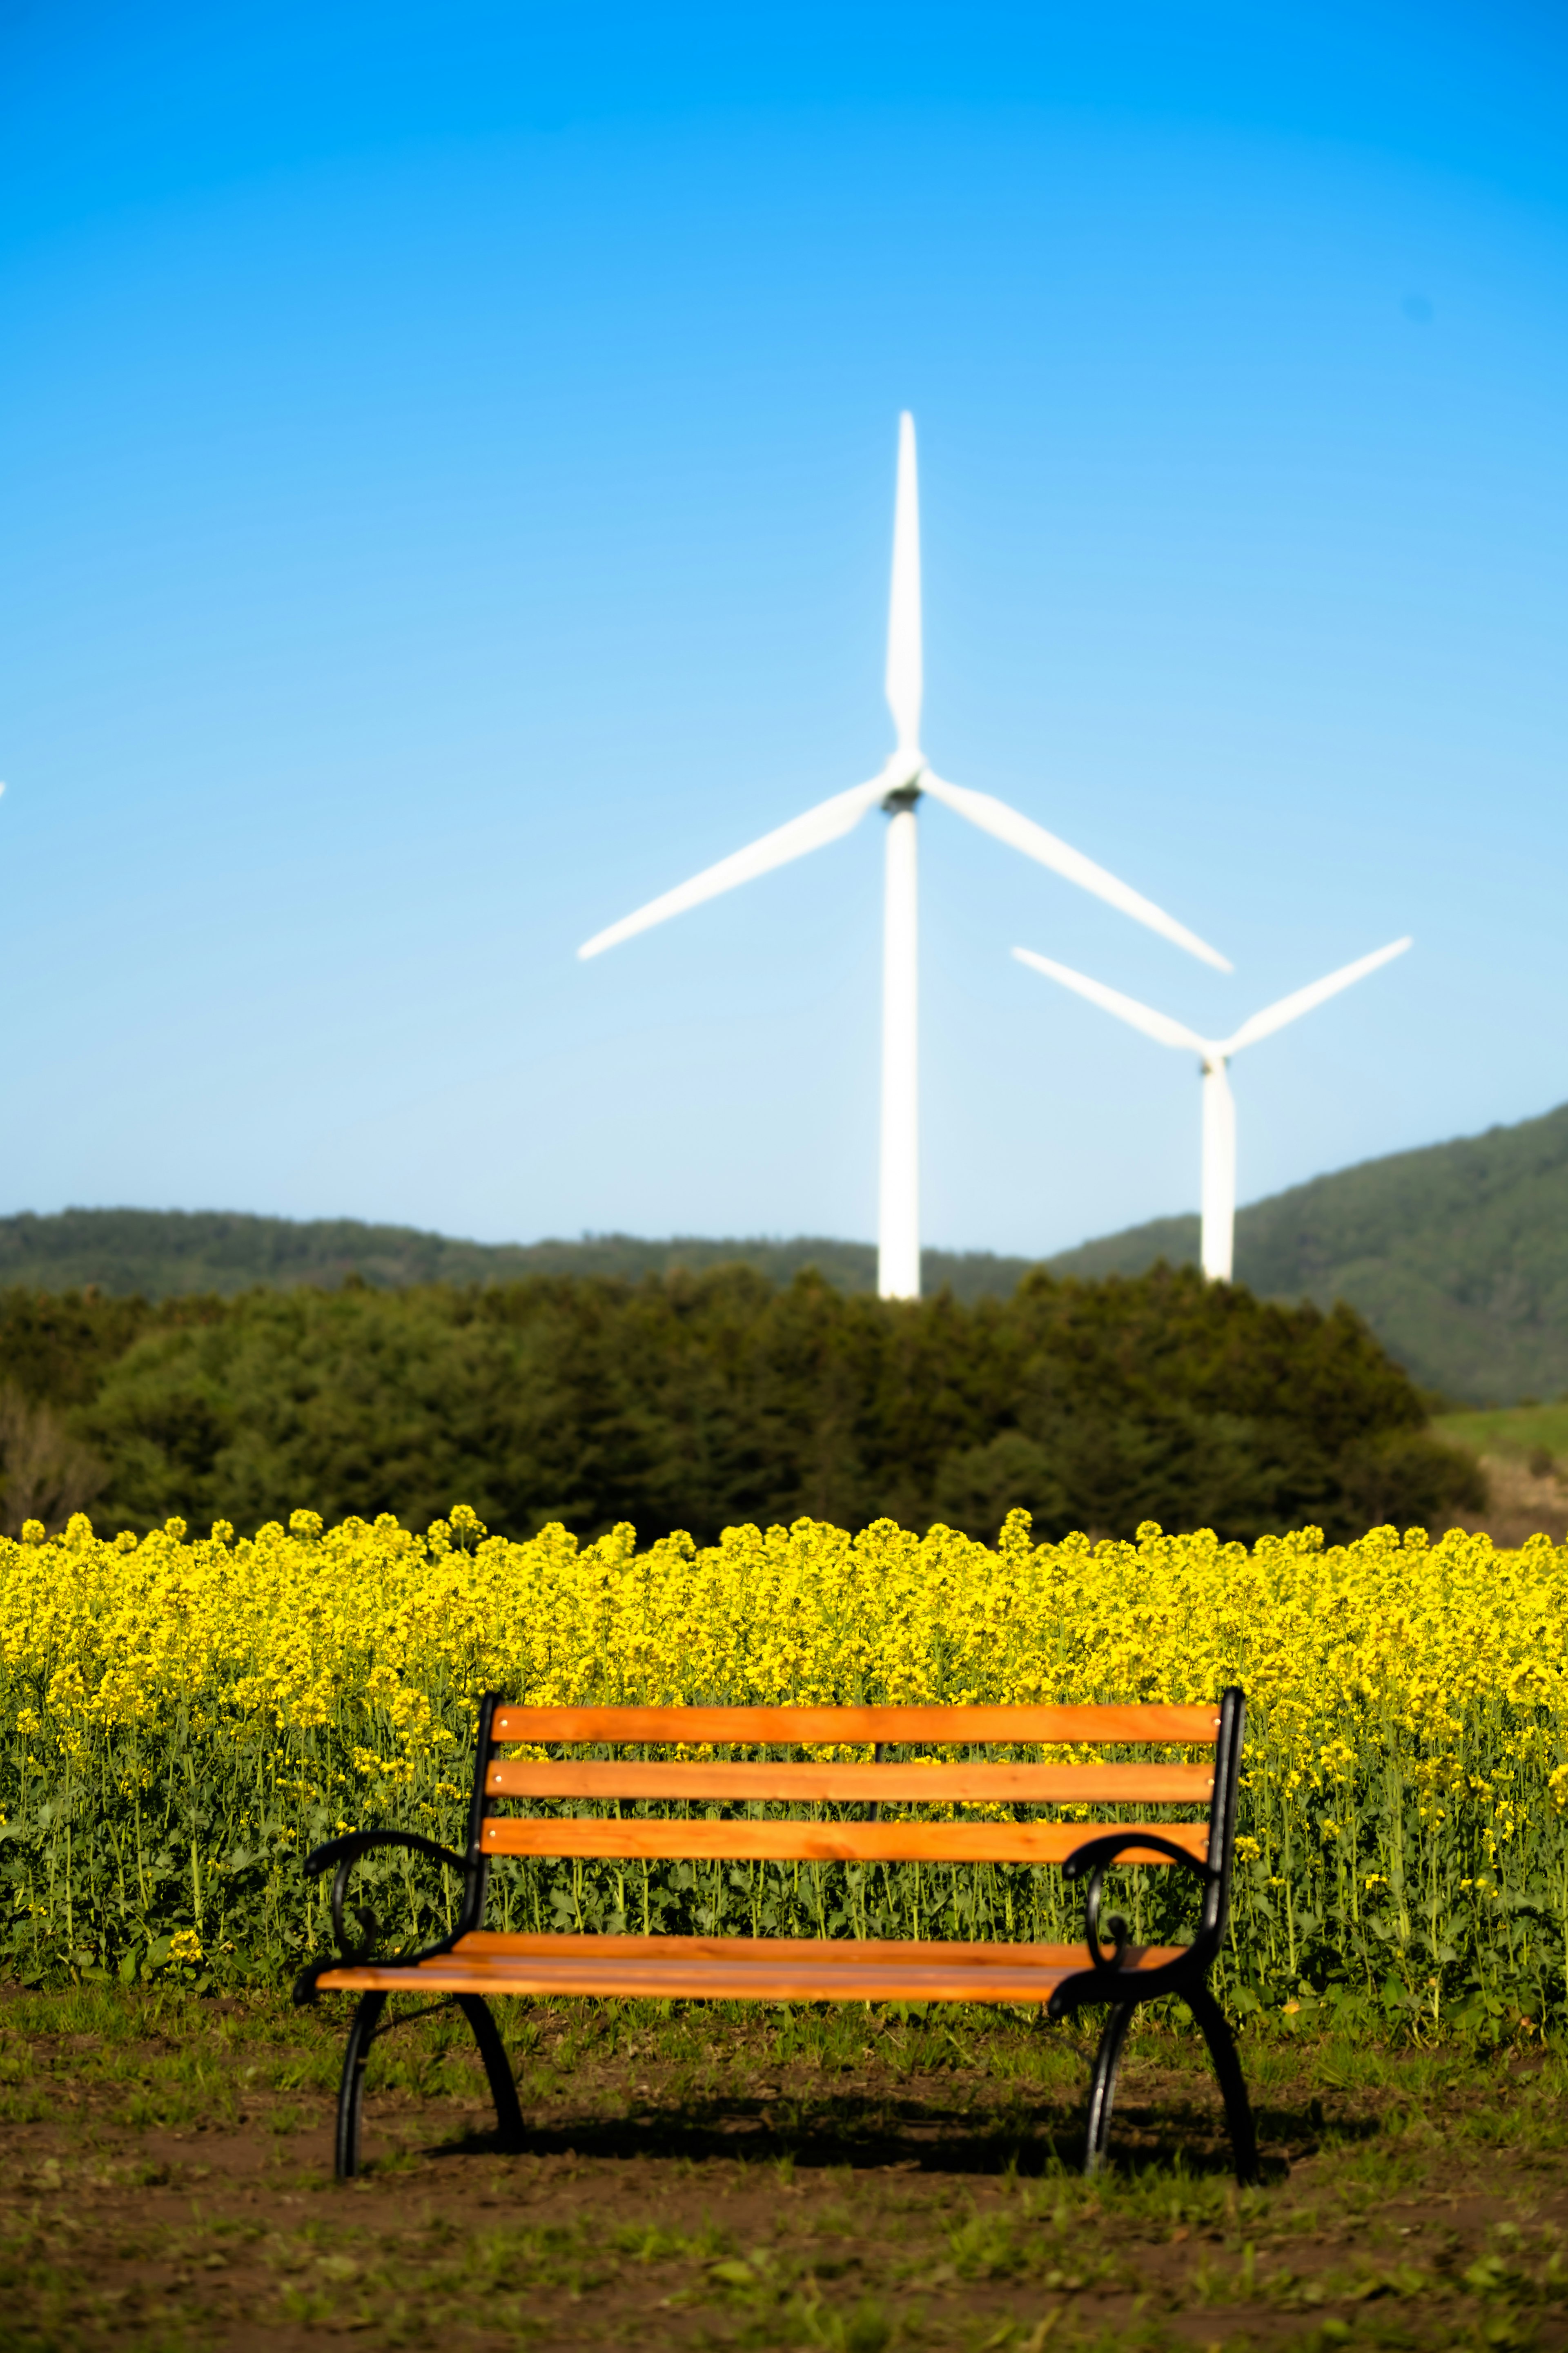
<point x="1517" y="1429"/>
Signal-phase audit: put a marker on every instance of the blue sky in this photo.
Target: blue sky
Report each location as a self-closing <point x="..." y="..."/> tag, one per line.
<point x="445" y="485"/>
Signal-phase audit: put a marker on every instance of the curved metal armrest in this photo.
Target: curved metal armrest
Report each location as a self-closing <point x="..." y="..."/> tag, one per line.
<point x="344" y="1852"/>
<point x="1094" y="1859"/>
<point x="354" y="1843"/>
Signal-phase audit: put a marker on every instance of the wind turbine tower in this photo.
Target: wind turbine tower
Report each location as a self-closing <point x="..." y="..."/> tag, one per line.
<point x="1218" y="1194"/>
<point x="898" y="788"/>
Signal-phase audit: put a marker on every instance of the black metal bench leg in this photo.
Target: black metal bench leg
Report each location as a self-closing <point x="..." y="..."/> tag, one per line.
<point x="1232" y="2084"/>
<point x="498" y="2067"/>
<point x="1102" y="2084"/>
<point x="362" y="2033"/>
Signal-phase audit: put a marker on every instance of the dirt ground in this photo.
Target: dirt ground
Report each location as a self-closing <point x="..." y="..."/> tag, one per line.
<point x="714" y="2179"/>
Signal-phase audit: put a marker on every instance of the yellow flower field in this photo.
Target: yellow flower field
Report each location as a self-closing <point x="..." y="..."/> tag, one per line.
<point x="181" y="1719"/>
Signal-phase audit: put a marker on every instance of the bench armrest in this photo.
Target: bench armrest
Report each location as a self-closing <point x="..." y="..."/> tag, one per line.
<point x="339" y="1856"/>
<point x="1091" y="1860"/>
<point x="354" y="1843"/>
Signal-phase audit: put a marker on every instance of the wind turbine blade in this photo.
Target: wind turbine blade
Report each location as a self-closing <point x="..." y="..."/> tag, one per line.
<point x="819" y="826"/>
<point x="1158" y="1026"/>
<point x="1022" y="833"/>
<point x="904" y="670"/>
<point x="1290" y="1008"/>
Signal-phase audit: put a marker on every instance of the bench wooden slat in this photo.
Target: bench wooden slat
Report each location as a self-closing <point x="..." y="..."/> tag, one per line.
<point x="1035" y="1785"/>
<point x="740" y="1970"/>
<point x="846" y="1952"/>
<point x="806" y="1841"/>
<point x="784" y="1982"/>
<point x="1148" y="1724"/>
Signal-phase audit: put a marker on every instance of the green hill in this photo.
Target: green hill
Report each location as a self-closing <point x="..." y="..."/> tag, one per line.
<point x="1457" y="1255"/>
<point x="163" y="1254"/>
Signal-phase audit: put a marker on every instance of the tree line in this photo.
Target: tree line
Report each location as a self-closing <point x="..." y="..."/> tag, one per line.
<point x="162" y="1252"/>
<point x="698" y="1401"/>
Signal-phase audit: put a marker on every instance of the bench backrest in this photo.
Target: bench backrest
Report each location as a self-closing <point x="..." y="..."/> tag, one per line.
<point x="499" y="1780"/>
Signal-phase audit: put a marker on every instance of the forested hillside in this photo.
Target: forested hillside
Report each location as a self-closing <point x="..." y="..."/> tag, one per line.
<point x="161" y="1253"/>
<point x="701" y="1401"/>
<point x="1457" y="1255"/>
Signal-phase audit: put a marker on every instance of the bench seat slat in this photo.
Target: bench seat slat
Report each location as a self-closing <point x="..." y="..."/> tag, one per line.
<point x="1147" y="1723"/>
<point x="736" y="1969"/>
<point x="848" y="1952"/>
<point x="1034" y="1785"/>
<point x="655" y="1980"/>
<point x="807" y="1841"/>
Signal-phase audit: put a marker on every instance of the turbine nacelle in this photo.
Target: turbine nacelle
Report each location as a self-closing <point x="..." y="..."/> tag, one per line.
<point x="904" y="795"/>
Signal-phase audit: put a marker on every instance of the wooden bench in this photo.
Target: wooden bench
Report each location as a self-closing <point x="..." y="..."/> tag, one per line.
<point x="475" y="1963"/>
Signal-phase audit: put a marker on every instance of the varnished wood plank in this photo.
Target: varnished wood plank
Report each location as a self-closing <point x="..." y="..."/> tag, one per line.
<point x="1149" y="1725"/>
<point x="807" y="1841"/>
<point x="1034" y="1785"/>
<point x="791" y="1974"/>
<point x="797" y="1983"/>
<point x="488" y="1947"/>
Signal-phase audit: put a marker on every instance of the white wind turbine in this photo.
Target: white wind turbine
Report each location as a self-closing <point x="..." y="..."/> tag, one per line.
<point x="897" y="788"/>
<point x="1219" y="1104"/>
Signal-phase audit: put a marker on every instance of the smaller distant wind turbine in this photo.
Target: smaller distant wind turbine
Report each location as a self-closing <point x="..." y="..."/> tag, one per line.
<point x="1219" y="1103"/>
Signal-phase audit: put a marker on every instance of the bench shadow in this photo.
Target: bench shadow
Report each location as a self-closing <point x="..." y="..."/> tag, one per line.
<point x="1147" y="2137"/>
